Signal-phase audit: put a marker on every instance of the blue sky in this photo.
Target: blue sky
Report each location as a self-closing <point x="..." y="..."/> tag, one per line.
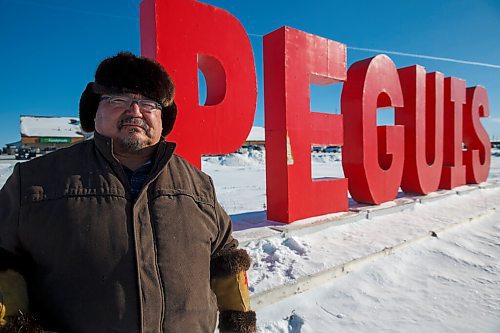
<point x="50" y="48"/>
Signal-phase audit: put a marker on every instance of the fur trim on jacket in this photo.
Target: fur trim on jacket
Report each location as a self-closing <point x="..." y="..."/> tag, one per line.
<point x="237" y="322"/>
<point x="229" y="263"/>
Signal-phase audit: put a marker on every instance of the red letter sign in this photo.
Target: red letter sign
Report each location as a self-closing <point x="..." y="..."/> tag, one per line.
<point x="477" y="157"/>
<point x="292" y="60"/>
<point x="184" y="35"/>
<point x="422" y="117"/>
<point x="453" y="173"/>
<point x="372" y="156"/>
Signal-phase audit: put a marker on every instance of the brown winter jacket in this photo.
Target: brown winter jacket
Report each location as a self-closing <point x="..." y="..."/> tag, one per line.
<point x="95" y="261"/>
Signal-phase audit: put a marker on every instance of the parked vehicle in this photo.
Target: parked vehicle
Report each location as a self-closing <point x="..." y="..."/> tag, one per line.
<point x="25" y="154"/>
<point x="332" y="149"/>
<point x="255" y="147"/>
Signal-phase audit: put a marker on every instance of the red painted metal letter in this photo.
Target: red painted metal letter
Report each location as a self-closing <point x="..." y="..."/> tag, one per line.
<point x="422" y="117"/>
<point x="453" y="173"/>
<point x="292" y="60"/>
<point x="477" y="157"/>
<point x="372" y="156"/>
<point x="184" y="36"/>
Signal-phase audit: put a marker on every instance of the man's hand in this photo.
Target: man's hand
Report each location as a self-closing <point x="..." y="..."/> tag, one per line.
<point x="2" y="315"/>
<point x="13" y="295"/>
<point x="230" y="285"/>
<point x="21" y="323"/>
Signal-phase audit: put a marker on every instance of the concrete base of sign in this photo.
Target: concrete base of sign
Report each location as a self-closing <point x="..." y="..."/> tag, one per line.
<point x="254" y="226"/>
<point x="405" y="237"/>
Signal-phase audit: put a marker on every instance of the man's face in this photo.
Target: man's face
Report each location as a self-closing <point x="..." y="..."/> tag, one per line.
<point x="133" y="125"/>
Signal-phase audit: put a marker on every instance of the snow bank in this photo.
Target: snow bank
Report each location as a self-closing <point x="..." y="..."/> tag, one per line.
<point x="258" y="157"/>
<point x="249" y="158"/>
<point x="446" y="284"/>
<point x="5" y="172"/>
<point x="326" y="157"/>
<point x="279" y="260"/>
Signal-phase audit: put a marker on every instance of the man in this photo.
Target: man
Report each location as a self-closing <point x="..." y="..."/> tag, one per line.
<point x="118" y="234"/>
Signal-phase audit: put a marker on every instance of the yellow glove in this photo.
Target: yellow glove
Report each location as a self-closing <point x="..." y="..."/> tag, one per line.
<point x="2" y="315"/>
<point x="230" y="285"/>
<point x="232" y="292"/>
<point x="13" y="295"/>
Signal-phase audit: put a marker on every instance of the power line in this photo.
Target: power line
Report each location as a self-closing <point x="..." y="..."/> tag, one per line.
<point x="413" y="55"/>
<point x="423" y="56"/>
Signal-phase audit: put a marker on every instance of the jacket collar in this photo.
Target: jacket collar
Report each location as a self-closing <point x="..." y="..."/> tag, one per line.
<point x="163" y="153"/>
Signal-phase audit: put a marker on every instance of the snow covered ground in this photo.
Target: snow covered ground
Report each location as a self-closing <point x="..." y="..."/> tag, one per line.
<point x="445" y="284"/>
<point x="448" y="283"/>
<point x="434" y="266"/>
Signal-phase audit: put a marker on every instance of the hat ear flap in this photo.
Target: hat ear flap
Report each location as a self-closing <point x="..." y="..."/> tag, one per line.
<point x="168" y="115"/>
<point x="89" y="102"/>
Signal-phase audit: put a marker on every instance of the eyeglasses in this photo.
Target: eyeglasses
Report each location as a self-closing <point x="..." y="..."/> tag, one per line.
<point x="125" y="102"/>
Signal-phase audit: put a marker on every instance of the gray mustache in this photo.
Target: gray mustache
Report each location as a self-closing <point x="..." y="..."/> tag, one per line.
<point x="133" y="121"/>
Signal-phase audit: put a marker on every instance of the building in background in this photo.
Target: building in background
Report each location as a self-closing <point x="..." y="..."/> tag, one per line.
<point x="11" y="148"/>
<point x="256" y="137"/>
<point x="50" y="133"/>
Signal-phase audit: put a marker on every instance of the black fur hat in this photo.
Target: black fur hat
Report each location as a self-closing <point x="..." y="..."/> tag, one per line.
<point x="127" y="73"/>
